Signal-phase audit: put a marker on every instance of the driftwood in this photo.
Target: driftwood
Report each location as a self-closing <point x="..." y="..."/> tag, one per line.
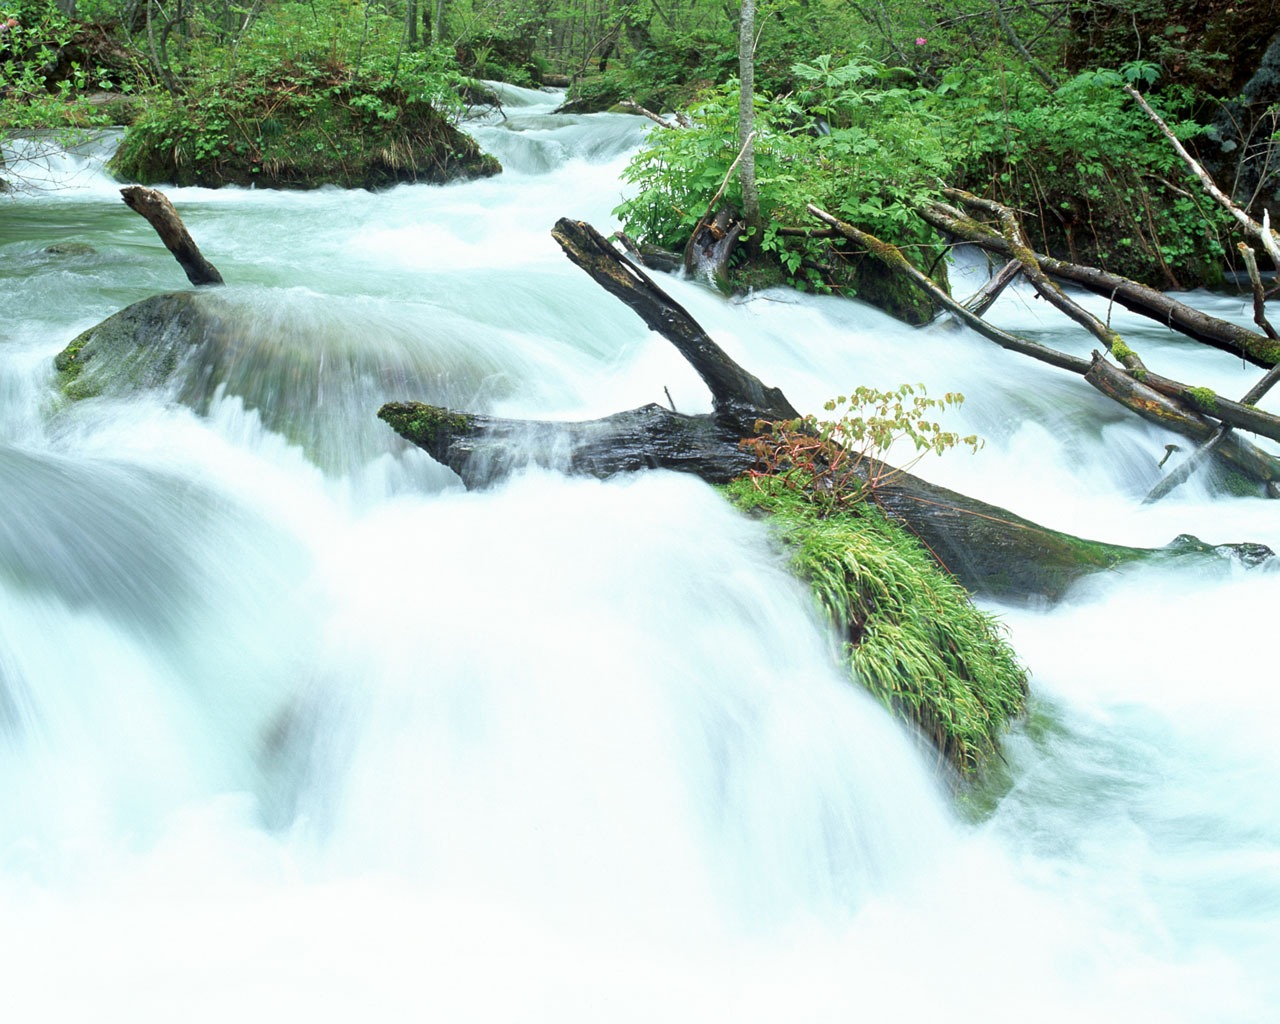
<point x="989" y="549"/>
<point x="159" y="213"/>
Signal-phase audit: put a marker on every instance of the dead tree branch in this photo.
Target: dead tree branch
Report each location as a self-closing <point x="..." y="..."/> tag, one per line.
<point x="159" y="213"/>
<point x="1260" y="231"/>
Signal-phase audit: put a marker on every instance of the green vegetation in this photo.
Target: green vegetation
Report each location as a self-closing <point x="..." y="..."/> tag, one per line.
<point x="1203" y="399"/>
<point x="913" y="638"/>
<point x="838" y="463"/>
<point x="309" y="95"/>
<point x="863" y="109"/>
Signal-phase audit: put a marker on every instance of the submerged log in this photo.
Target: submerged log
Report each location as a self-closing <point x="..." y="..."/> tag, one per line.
<point x="990" y="550"/>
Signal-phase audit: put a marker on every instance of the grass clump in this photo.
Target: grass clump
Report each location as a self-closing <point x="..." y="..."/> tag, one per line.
<point x="912" y="636"/>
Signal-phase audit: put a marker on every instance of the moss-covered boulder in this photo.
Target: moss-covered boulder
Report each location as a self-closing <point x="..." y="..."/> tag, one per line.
<point x="302" y="131"/>
<point x="913" y="637"/>
<point x="139" y="347"/>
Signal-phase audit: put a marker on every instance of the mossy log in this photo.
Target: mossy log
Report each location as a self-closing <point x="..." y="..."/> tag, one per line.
<point x="1157" y="407"/>
<point x="990" y="550"/>
<point x="483" y="449"/>
<point x="1167" y="402"/>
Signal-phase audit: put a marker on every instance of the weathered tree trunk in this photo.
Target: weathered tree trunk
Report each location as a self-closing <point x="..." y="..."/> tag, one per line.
<point x="747" y="122"/>
<point x="989" y="549"/>
<point x="738" y="397"/>
<point x="159" y="213"/>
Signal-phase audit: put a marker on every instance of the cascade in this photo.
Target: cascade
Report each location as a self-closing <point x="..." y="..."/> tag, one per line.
<point x="290" y="724"/>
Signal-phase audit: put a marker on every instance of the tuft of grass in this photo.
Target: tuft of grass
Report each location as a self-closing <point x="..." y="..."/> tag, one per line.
<point x="913" y="637"/>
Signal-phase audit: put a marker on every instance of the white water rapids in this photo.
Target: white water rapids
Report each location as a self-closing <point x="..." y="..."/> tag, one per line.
<point x="294" y="728"/>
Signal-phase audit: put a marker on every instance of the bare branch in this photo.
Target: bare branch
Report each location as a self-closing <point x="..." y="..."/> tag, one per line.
<point x="1262" y="232"/>
<point x="155" y="207"/>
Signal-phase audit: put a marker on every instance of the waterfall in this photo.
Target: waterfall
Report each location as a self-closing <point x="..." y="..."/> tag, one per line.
<point x="291" y="725"/>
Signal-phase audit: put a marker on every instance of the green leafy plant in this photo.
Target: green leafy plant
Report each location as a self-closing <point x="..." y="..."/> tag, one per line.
<point x="839" y="462"/>
<point x="912" y="636"/>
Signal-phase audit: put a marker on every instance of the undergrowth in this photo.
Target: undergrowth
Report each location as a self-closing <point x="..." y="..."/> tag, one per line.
<point x="912" y="636"/>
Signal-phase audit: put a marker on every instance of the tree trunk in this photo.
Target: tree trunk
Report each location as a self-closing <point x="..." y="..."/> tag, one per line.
<point x="747" y="122"/>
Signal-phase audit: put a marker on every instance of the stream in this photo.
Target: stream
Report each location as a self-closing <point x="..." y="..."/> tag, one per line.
<point x="293" y="727"/>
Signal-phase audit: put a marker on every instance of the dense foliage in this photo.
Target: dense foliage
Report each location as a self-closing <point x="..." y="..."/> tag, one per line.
<point x="308" y="96"/>
<point x="863" y="108"/>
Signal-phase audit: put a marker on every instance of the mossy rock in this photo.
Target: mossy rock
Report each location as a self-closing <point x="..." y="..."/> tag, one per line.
<point x="913" y="637"/>
<point x="344" y="135"/>
<point x="139" y="347"/>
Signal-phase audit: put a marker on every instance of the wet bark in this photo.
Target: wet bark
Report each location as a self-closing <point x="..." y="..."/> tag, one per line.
<point x="156" y="209"/>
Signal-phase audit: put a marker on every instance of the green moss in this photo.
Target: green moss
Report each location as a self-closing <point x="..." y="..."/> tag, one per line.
<point x="428" y="426"/>
<point x="138" y="347"/>
<point x="1120" y="350"/>
<point x="914" y="638"/>
<point x="1203" y="399"/>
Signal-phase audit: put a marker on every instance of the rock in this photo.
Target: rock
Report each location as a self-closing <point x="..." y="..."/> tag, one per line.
<point x="70" y="249"/>
<point x="138" y="347"/>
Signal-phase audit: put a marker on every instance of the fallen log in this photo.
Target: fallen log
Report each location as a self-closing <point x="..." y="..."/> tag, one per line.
<point x="990" y="550"/>
<point x="1157" y="408"/>
<point x="1137" y="298"/>
<point x="156" y="209"/>
<point x="737" y="396"/>
<point x="484" y="449"/>
<point x="1157" y="399"/>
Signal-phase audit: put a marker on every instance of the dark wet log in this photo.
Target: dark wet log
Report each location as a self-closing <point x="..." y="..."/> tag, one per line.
<point x="739" y="397"/>
<point x="989" y="549"/>
<point x="483" y="449"/>
<point x="159" y="213"/>
<point x="992" y="551"/>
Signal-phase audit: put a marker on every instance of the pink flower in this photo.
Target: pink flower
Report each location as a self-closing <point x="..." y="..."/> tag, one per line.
<point x="921" y="40"/>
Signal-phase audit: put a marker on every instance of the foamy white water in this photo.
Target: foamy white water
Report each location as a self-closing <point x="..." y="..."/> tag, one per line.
<point x="293" y="726"/>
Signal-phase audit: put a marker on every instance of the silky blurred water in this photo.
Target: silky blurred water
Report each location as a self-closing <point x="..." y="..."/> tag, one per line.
<point x="291" y="725"/>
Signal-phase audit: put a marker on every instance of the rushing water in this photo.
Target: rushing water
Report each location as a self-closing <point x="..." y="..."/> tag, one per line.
<point x="293" y="727"/>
